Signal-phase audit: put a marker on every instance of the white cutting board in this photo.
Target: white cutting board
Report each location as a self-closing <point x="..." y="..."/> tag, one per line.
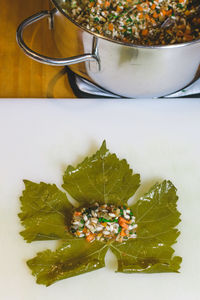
<point x="159" y="138"/>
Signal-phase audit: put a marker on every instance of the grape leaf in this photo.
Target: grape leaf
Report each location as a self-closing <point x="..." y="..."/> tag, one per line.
<point x="45" y="212"/>
<point x="101" y="178"/>
<point x="74" y="257"/>
<point x="46" y="215"/>
<point x="156" y="215"/>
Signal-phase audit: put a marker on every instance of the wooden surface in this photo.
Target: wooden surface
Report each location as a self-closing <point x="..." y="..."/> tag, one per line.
<point x="20" y="76"/>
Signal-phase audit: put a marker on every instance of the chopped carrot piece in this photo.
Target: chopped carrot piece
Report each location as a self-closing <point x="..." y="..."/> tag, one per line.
<point x="77" y="213"/>
<point x="169" y="12"/>
<point x="125" y="39"/>
<point x="98" y="27"/>
<point x="140" y="16"/>
<point x="155" y="15"/>
<point x="107" y="4"/>
<point x="110" y="26"/>
<point x="147" y="17"/>
<point x="153" y="21"/>
<point x="123" y="233"/>
<point x="145" y="32"/>
<point x="153" y="6"/>
<point x="139" y="7"/>
<point x="84" y="230"/>
<point x="121" y="219"/>
<point x="104" y="224"/>
<point x="91" y="4"/>
<point x="123" y="223"/>
<point x="90" y="237"/>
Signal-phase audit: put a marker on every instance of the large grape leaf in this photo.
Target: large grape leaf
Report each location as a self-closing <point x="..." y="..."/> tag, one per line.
<point x="74" y="257"/>
<point x="101" y="178"/>
<point x="46" y="215"/>
<point x="157" y="216"/>
<point x="45" y="212"/>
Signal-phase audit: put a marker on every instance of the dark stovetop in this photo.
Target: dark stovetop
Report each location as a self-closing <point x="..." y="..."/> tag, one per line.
<point x="85" y="89"/>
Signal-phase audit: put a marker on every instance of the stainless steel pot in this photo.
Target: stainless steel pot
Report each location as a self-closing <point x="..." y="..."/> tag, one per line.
<point x="124" y="69"/>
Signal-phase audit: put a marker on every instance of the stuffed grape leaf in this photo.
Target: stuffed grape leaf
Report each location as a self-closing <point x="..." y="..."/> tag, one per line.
<point x="46" y="215"/>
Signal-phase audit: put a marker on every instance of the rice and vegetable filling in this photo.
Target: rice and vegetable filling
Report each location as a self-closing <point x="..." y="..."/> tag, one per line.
<point x="104" y="223"/>
<point x="144" y="22"/>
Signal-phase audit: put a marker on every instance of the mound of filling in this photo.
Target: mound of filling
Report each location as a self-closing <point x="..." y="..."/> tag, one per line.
<point x="142" y="22"/>
<point x="104" y="223"/>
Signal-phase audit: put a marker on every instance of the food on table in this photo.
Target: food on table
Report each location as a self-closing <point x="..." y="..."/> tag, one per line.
<point x="141" y="235"/>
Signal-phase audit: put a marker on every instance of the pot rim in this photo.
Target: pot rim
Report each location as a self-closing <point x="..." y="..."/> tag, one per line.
<point x="61" y="10"/>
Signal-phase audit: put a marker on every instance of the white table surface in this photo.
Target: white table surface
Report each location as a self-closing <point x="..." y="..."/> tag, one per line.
<point x="159" y="138"/>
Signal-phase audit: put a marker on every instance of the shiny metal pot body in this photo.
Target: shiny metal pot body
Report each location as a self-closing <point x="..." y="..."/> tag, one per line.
<point x="126" y="70"/>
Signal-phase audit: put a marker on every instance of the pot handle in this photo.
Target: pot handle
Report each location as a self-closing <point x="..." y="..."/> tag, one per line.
<point x="44" y="59"/>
